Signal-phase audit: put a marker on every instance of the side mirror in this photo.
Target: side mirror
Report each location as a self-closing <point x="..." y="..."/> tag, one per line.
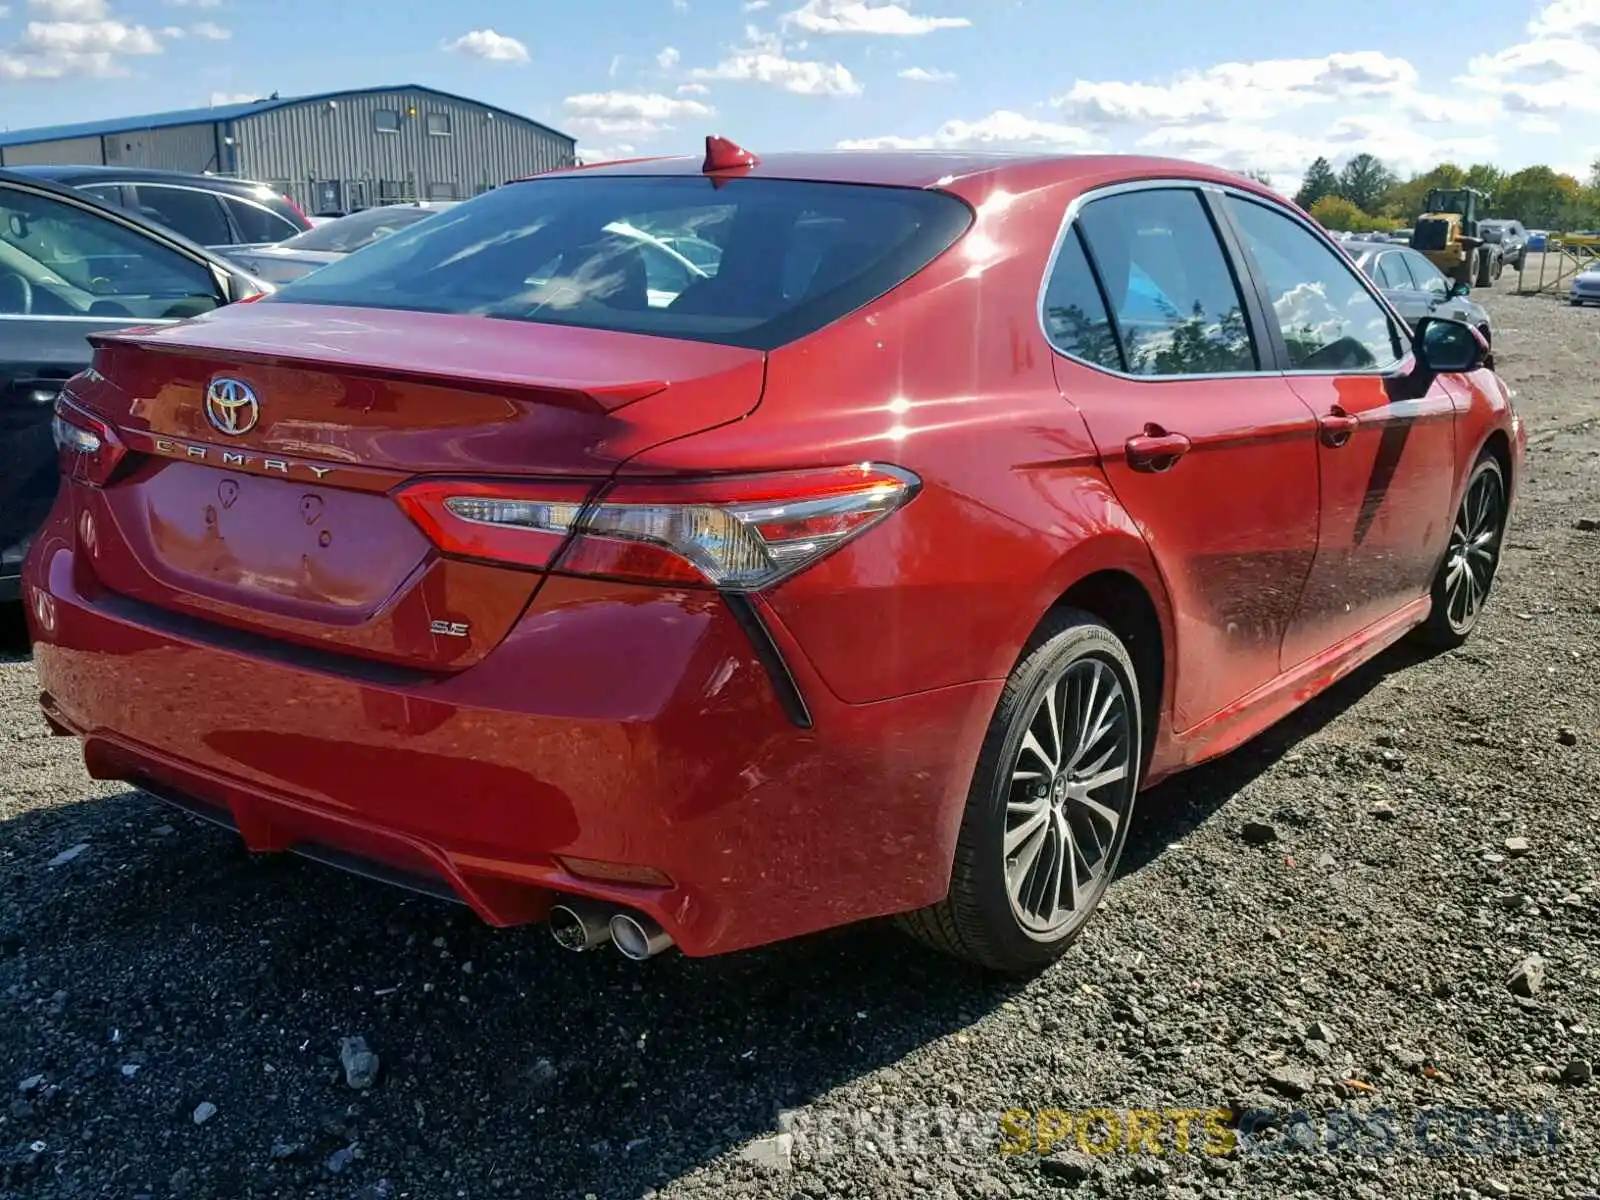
<point x="1459" y="290"/>
<point x="1445" y="347"/>
<point x="240" y="286"/>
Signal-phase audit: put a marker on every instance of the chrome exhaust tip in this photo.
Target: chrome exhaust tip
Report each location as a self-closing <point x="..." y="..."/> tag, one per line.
<point x="638" y="937"/>
<point x="580" y="925"/>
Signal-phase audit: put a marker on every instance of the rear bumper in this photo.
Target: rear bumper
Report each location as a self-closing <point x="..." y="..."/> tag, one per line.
<point x="617" y="724"/>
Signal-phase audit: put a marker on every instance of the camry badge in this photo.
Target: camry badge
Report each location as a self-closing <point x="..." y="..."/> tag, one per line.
<point x="231" y="406"/>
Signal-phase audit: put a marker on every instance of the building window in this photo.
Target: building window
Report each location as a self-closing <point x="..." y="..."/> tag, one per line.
<point x="439" y="124"/>
<point x="386" y="120"/>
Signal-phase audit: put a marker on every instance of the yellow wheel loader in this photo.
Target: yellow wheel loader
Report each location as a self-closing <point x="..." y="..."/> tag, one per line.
<point x="1447" y="234"/>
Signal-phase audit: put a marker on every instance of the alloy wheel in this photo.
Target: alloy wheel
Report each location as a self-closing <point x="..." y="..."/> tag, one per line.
<point x="1071" y="789"/>
<point x="1474" y="550"/>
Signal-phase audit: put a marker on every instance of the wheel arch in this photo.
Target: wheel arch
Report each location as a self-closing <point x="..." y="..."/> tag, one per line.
<point x="1114" y="579"/>
<point x="1498" y="443"/>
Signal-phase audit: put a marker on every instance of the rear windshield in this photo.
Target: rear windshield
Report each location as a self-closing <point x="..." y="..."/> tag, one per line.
<point x="744" y="262"/>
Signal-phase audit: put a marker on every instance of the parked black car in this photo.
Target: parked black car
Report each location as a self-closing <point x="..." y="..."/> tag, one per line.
<point x="211" y="210"/>
<point x="1415" y="286"/>
<point x="71" y="266"/>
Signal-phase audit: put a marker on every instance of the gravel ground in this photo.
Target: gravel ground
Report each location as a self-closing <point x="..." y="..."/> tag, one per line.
<point x="173" y="1012"/>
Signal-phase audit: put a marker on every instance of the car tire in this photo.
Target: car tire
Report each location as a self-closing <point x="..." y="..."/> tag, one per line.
<point x="1011" y="906"/>
<point x="1462" y="584"/>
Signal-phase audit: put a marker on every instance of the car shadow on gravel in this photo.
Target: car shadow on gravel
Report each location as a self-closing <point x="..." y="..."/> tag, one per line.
<point x="230" y="979"/>
<point x="1176" y="807"/>
<point x="13" y="633"/>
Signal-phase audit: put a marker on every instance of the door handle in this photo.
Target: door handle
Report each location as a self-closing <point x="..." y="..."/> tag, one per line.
<point x="1156" y="450"/>
<point x="1336" y="427"/>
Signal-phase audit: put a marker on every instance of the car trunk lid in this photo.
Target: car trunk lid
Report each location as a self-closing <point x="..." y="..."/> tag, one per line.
<point x="268" y="437"/>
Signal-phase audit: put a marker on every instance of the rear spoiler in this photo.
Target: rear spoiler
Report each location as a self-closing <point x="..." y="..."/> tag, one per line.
<point x="599" y="400"/>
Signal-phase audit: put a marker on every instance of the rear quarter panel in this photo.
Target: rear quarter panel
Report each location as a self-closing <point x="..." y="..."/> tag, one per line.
<point x="948" y="376"/>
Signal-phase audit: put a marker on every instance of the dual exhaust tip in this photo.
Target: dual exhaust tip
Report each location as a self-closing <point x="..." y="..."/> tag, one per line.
<point x="586" y="925"/>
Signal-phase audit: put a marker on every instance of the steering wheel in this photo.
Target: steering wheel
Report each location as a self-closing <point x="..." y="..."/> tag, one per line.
<point x="16" y="294"/>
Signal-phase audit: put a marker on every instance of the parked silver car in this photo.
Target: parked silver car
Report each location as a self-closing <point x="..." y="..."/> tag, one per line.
<point x="283" y="261"/>
<point x="1415" y="286"/>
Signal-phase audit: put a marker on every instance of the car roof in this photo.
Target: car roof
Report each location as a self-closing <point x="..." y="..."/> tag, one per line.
<point x="15" y="177"/>
<point x="1353" y="246"/>
<point x="76" y="173"/>
<point x="933" y="168"/>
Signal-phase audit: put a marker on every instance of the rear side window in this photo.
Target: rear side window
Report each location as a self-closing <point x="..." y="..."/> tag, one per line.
<point x="195" y="214"/>
<point x="1330" y="321"/>
<point x="1171" y="292"/>
<point x="773" y="259"/>
<point x="257" y="224"/>
<point x="1075" y="317"/>
<point x="1392" y="274"/>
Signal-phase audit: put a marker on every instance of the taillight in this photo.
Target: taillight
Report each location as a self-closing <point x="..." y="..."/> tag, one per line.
<point x="298" y="211"/>
<point x="87" y="447"/>
<point x="737" y="534"/>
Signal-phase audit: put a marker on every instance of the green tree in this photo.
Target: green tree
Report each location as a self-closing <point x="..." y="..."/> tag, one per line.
<point x="1364" y="180"/>
<point x="1488" y="179"/>
<point x="1404" y="201"/>
<point x="1260" y="177"/>
<point x="1335" y="212"/>
<point x="1319" y="181"/>
<point x="1542" y="199"/>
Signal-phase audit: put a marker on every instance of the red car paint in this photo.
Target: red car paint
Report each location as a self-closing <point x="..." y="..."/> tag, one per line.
<point x="260" y="633"/>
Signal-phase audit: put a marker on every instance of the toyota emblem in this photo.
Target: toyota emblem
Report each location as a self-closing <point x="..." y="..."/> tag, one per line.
<point x="231" y="407"/>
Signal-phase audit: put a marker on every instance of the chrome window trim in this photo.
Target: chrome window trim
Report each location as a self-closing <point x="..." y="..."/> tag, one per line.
<point x="1204" y="186"/>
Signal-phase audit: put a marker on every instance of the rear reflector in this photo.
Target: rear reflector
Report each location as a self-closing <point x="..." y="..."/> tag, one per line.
<point x="738" y="534"/>
<point x="609" y="872"/>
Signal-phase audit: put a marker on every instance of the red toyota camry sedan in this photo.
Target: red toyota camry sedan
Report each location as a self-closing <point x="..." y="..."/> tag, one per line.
<point x="869" y="560"/>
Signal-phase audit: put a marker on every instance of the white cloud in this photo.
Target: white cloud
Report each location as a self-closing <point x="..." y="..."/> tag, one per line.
<point x="925" y="75"/>
<point x="210" y="31"/>
<point x="998" y="131"/>
<point x="194" y="3"/>
<point x="756" y="5"/>
<point x="641" y="114"/>
<point x="693" y="89"/>
<point x="1546" y="75"/>
<point x="67" y="38"/>
<point x="174" y="33"/>
<point x="489" y="46"/>
<point x="598" y="154"/>
<point x="1568" y="18"/>
<point x="72" y="10"/>
<point x="668" y="58"/>
<point x="1239" y="90"/>
<point x="865" y="16"/>
<point x="231" y="97"/>
<point x="763" y="59"/>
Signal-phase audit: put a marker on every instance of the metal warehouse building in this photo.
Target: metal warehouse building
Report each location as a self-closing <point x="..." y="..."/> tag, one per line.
<point x="332" y="152"/>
